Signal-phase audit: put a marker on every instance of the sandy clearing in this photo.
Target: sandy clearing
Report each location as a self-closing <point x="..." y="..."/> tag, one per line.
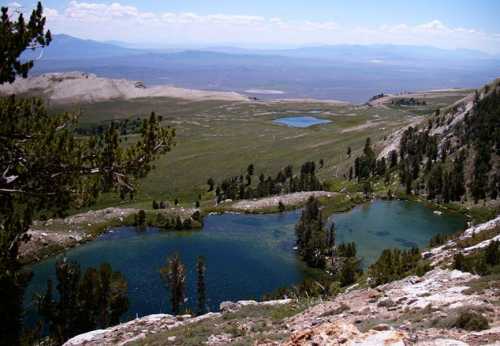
<point x="366" y="125"/>
<point x="310" y="100"/>
<point x="265" y="91"/>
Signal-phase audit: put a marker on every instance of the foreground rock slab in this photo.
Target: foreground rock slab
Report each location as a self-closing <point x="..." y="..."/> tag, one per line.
<point x="135" y="330"/>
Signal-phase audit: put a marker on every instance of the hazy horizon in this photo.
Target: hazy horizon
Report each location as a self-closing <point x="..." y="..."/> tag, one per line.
<point x="286" y="24"/>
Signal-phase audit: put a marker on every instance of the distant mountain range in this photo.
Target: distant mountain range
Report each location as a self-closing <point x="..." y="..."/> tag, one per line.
<point x="347" y="72"/>
<point x="68" y="47"/>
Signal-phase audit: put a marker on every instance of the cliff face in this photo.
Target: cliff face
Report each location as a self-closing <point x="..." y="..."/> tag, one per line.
<point x="427" y="310"/>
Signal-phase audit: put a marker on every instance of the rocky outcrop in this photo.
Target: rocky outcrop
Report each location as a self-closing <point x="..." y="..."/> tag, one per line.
<point x="289" y="200"/>
<point x="141" y="327"/>
<point x="135" y="330"/>
<point x="235" y="306"/>
<point x="342" y="333"/>
<point x="444" y="253"/>
<point x="405" y="312"/>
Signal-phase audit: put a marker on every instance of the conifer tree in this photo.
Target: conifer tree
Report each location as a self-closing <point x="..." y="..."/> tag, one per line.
<point x="250" y="169"/>
<point x="311" y="237"/>
<point x="393" y="159"/>
<point x="201" y="288"/>
<point x="210" y="183"/>
<point x="95" y="300"/>
<point x="173" y="275"/>
<point x="16" y="37"/>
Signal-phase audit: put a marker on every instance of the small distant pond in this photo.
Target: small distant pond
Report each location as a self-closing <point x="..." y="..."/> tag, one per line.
<point x="247" y="256"/>
<point x="301" y="122"/>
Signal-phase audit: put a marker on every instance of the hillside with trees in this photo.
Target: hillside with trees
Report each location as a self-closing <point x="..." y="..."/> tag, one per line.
<point x="454" y="156"/>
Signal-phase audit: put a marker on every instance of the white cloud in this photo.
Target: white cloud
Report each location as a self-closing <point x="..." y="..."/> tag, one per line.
<point x="309" y="25"/>
<point x="116" y="21"/>
<point x="433" y="26"/>
<point x="50" y="13"/>
<point x="14" y="5"/>
<point x="96" y="12"/>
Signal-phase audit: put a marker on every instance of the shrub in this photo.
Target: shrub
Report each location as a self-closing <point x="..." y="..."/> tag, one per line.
<point x="140" y="218"/>
<point x="437" y="240"/>
<point x="472" y="321"/>
<point x="281" y="207"/>
<point x="197" y="216"/>
<point x="349" y="272"/>
<point x="396" y="264"/>
<point x="492" y="253"/>
<point x="482" y="262"/>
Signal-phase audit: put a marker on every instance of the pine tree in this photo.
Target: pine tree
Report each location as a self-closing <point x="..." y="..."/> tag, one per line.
<point x="348" y="272"/>
<point x="201" y="289"/>
<point x="311" y="237"/>
<point x="173" y="275"/>
<point x="95" y="300"/>
<point x="18" y="36"/>
<point x="250" y="169"/>
<point x="281" y="207"/>
<point x="494" y="186"/>
<point x="210" y="183"/>
<point x="492" y="253"/>
<point x="331" y="236"/>
<point x="393" y="159"/>
<point x="435" y="182"/>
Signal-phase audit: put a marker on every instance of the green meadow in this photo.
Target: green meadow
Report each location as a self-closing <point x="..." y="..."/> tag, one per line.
<point x="219" y="139"/>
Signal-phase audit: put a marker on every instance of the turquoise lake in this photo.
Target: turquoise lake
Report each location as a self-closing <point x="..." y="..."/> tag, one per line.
<point x="247" y="256"/>
<point x="301" y="122"/>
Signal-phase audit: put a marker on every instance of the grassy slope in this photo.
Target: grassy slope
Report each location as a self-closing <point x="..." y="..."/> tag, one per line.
<point x="219" y="139"/>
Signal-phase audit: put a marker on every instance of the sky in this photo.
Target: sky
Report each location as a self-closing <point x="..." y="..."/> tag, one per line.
<point x="449" y="24"/>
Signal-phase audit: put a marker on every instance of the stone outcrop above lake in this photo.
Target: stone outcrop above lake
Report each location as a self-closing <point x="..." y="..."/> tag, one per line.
<point x="288" y="200"/>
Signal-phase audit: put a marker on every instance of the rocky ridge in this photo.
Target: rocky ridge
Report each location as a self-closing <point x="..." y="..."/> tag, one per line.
<point x="71" y="87"/>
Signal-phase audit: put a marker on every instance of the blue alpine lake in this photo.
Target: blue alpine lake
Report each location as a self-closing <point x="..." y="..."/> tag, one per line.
<point x="246" y="256"/>
<point x="301" y="122"/>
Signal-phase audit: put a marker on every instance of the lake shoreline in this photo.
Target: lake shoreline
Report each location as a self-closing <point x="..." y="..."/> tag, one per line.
<point x="53" y="237"/>
<point x="262" y="242"/>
